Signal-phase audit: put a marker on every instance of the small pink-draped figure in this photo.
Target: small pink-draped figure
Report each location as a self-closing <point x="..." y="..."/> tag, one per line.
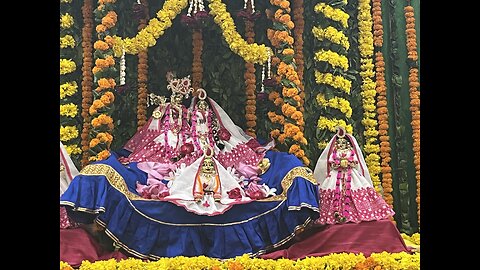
<point x="346" y="189"/>
<point x="164" y="141"/>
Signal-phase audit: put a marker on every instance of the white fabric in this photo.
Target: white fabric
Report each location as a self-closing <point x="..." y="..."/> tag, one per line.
<point x="321" y="173"/>
<point x="69" y="170"/>
<point x="181" y="190"/>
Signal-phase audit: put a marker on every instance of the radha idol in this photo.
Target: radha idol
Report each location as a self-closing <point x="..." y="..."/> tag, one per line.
<point x="195" y="184"/>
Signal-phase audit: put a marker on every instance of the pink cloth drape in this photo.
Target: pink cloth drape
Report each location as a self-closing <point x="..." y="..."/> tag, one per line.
<point x="365" y="237"/>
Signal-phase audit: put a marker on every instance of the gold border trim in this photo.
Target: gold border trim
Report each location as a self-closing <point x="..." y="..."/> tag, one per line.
<point x="287" y="181"/>
<point x="154" y="257"/>
<point x="83" y="209"/>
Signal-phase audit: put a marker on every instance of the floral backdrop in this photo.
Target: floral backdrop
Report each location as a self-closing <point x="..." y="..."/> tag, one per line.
<point x="352" y="63"/>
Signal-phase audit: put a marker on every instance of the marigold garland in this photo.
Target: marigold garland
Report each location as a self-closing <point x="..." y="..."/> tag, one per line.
<point x="142" y="77"/>
<point x="67" y="66"/>
<point x="365" y="42"/>
<point x="67" y="41"/>
<point x="87" y="76"/>
<point x="338" y="82"/>
<point x="249" y="76"/>
<point x="414" y="84"/>
<point x="384" y="260"/>
<point x="251" y="53"/>
<point x="331" y="124"/>
<point x="66" y="21"/>
<point x="382" y="110"/>
<point x="332" y="34"/>
<point x="197" y="66"/>
<point x="337" y="103"/>
<point x="100" y="109"/>
<point x="290" y="101"/>
<point x="333" y="58"/>
<point x="298" y="47"/>
<point x="332" y="13"/>
<point x="147" y="37"/>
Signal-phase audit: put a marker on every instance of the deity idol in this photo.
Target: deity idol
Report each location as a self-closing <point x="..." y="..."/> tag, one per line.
<point x="346" y="190"/>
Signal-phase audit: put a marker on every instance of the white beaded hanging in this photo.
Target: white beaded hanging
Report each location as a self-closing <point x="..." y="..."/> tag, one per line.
<point x="122" y="69"/>
<point x="190" y="8"/>
<point x="269" y="65"/>
<point x="252" y="3"/>
<point x="138" y="2"/>
<point x="263" y="79"/>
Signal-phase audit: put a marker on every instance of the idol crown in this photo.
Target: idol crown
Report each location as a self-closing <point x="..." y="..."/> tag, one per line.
<point x="180" y="86"/>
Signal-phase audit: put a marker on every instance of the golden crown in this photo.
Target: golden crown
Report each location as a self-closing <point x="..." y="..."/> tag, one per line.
<point x="180" y="86"/>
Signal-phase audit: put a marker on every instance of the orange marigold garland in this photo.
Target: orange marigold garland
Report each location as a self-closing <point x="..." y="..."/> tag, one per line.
<point x="249" y="76"/>
<point x="142" y="72"/>
<point x="290" y="102"/>
<point x="87" y="81"/>
<point x="414" y="84"/>
<point x="382" y="110"/>
<point x="197" y="67"/>
<point x="101" y="121"/>
<point x="298" y="46"/>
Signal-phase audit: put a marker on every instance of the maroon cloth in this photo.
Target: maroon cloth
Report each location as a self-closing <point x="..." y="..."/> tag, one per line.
<point x="77" y="245"/>
<point x="365" y="237"/>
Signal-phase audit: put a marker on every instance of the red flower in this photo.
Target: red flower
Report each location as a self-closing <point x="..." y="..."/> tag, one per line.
<point x="234" y="193"/>
<point x="223" y="134"/>
<point x="186" y="149"/>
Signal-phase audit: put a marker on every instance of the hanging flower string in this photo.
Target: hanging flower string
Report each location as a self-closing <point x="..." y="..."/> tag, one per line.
<point x="336" y="62"/>
<point x="251" y="53"/>
<point x="414" y="85"/>
<point x="68" y="87"/>
<point x="142" y="77"/>
<point x="102" y="122"/>
<point x="365" y="43"/>
<point x="298" y="46"/>
<point x="382" y="110"/>
<point x="87" y="76"/>
<point x="197" y="66"/>
<point x="249" y="76"/>
<point x="290" y="102"/>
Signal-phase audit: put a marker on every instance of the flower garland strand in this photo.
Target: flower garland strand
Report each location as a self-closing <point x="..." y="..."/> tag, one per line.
<point x="102" y="123"/>
<point x="147" y="37"/>
<point x="142" y="77"/>
<point x="414" y="84"/>
<point x="365" y="43"/>
<point x="249" y="76"/>
<point x="290" y="102"/>
<point x="197" y="66"/>
<point x="382" y="110"/>
<point x="336" y="61"/>
<point x="298" y="47"/>
<point x="87" y="76"/>
<point x="251" y="53"/>
<point x="384" y="260"/>
<point x="68" y="87"/>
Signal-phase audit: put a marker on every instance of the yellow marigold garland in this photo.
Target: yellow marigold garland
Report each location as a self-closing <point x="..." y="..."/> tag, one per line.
<point x="290" y="102"/>
<point x="249" y="76"/>
<point x="142" y="77"/>
<point x="414" y="84"/>
<point x="332" y="34"/>
<point x="382" y="110"/>
<point x="333" y="58"/>
<point x="251" y="53"/>
<point x="331" y="124"/>
<point x="337" y="103"/>
<point x="332" y="13"/>
<point x="338" y="82"/>
<point x="99" y="110"/>
<point x="87" y="76"/>
<point x="365" y="42"/>
<point x="147" y="37"/>
<point x="384" y="260"/>
<point x="67" y="41"/>
<point x="67" y="66"/>
<point x="68" y="110"/>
